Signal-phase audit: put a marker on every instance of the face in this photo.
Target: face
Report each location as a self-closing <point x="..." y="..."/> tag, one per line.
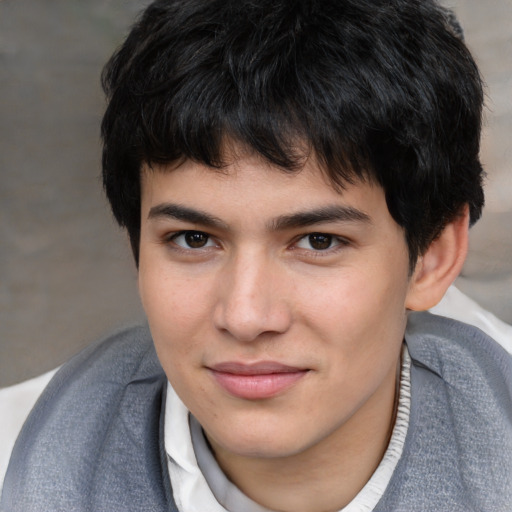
<point x="276" y="303"/>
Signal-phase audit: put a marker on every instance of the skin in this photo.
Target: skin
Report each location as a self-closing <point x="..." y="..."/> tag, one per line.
<point x="256" y="287"/>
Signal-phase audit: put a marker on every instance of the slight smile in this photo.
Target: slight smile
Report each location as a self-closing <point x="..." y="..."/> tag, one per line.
<point x="257" y="381"/>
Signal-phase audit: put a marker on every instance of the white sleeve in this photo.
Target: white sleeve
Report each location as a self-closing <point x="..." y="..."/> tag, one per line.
<point x="460" y="307"/>
<point x="15" y="404"/>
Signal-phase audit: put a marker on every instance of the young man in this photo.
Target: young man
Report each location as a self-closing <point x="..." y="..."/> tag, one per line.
<point x="297" y="179"/>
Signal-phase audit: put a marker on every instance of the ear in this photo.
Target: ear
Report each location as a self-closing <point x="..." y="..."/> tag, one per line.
<point x="438" y="267"/>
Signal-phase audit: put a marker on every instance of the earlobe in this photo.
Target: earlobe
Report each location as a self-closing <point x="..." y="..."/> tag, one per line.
<point x="438" y="267"/>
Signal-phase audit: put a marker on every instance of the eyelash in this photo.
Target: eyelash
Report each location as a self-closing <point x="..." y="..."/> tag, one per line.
<point x="174" y="236"/>
<point x="340" y="243"/>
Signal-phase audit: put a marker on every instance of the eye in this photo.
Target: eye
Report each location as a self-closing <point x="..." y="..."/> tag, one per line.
<point x="319" y="242"/>
<point x="192" y="240"/>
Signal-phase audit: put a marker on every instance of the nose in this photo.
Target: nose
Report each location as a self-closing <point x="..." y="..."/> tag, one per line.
<point x="251" y="299"/>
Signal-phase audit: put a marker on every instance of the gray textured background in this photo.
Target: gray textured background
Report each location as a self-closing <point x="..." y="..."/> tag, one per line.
<point x="66" y="274"/>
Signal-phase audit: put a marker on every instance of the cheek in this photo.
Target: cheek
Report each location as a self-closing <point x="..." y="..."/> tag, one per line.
<point x="177" y="308"/>
<point x="357" y="308"/>
<point x="177" y="313"/>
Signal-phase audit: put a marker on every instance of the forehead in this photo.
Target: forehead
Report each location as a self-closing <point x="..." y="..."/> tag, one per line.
<point x="249" y="178"/>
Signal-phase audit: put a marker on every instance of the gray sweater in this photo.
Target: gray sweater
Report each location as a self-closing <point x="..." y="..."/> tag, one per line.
<point x="94" y="440"/>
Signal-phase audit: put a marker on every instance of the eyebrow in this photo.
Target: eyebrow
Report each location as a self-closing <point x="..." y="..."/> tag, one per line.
<point x="334" y="213"/>
<point x="185" y="214"/>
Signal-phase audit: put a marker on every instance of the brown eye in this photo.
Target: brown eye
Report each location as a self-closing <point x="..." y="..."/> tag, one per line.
<point x="192" y="240"/>
<point x="320" y="241"/>
<point x="196" y="239"/>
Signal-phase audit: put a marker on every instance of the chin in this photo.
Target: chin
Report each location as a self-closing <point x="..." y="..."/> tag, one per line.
<point x="265" y="442"/>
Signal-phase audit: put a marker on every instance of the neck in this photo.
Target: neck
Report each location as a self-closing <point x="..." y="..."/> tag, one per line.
<point x="324" y="477"/>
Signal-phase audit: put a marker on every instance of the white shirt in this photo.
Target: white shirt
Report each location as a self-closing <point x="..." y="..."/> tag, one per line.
<point x="192" y="493"/>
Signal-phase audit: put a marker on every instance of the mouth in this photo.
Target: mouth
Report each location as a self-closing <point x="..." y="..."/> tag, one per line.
<point x="257" y="381"/>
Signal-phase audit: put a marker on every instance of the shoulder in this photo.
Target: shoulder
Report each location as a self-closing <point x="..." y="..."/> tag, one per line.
<point x="102" y="369"/>
<point x="15" y="404"/>
<point x="118" y="354"/>
<point x="459" y="306"/>
<point x="96" y="403"/>
<point x="468" y="376"/>
<point x="464" y="358"/>
<point x="458" y="451"/>
<point x="110" y="359"/>
<point x="99" y="373"/>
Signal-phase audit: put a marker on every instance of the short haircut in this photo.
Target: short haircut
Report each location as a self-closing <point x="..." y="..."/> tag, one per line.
<point x="379" y="90"/>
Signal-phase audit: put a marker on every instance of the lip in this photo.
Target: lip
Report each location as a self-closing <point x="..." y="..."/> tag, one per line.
<point x="256" y="381"/>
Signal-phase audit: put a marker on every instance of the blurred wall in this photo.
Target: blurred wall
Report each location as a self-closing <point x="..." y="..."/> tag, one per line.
<point x="66" y="275"/>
